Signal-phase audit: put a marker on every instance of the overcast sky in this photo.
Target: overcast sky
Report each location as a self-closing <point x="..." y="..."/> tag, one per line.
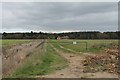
<point x="59" y="16"/>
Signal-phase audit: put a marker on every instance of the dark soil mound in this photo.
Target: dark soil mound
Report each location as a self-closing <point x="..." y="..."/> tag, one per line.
<point x="107" y="61"/>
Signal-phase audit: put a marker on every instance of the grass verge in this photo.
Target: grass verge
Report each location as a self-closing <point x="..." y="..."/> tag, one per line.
<point x="41" y="62"/>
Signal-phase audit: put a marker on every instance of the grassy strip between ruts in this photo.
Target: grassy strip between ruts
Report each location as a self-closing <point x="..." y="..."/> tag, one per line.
<point x="42" y="62"/>
<point x="57" y="45"/>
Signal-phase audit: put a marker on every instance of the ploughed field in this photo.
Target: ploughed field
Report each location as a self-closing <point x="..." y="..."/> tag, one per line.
<point x="57" y="58"/>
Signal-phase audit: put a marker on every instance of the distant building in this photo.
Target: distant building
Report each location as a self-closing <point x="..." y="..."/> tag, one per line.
<point x="58" y="38"/>
<point x="63" y="37"/>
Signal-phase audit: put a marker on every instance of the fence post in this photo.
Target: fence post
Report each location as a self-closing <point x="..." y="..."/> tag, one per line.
<point x="86" y="45"/>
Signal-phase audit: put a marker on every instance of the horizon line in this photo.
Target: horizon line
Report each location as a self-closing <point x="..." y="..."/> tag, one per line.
<point x="58" y="32"/>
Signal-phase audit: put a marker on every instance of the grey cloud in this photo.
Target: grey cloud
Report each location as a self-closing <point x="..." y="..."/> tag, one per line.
<point x="61" y="16"/>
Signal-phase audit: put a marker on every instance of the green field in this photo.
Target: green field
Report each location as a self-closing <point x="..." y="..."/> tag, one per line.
<point x="92" y="46"/>
<point x="46" y="60"/>
<point x="12" y="42"/>
<point x="6" y="44"/>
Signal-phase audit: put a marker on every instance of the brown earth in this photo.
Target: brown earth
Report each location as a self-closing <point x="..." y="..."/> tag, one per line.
<point x="16" y="54"/>
<point x="107" y="61"/>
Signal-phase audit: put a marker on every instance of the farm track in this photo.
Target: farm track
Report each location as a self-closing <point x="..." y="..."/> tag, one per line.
<point x="75" y="68"/>
<point x="16" y="54"/>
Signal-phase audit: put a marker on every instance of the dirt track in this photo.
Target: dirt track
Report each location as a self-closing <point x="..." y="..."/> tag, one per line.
<point x="17" y="54"/>
<point x="75" y="68"/>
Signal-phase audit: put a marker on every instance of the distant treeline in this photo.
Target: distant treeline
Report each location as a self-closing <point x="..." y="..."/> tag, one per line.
<point x="70" y="35"/>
